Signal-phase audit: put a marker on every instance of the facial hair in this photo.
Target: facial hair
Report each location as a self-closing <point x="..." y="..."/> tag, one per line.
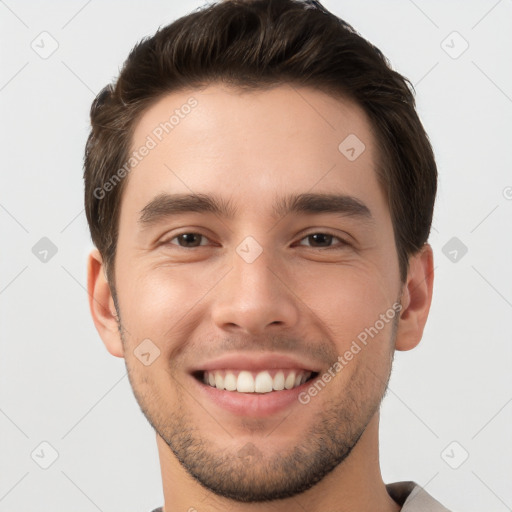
<point x="246" y="474"/>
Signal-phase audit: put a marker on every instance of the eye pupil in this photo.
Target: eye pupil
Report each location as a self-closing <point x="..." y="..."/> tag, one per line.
<point x="321" y="238"/>
<point x="188" y="238"/>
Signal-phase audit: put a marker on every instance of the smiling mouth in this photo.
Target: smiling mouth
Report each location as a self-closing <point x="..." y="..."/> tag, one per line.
<point x="257" y="382"/>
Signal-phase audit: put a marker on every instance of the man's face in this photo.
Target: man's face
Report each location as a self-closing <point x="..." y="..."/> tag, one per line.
<point x="262" y="289"/>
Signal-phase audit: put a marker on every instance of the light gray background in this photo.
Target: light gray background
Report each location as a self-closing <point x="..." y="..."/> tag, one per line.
<point x="59" y="384"/>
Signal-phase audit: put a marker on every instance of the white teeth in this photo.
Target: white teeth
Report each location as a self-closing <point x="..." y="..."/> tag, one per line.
<point x="245" y="383"/>
<point x="252" y="382"/>
<point x="279" y="381"/>
<point x="290" y="381"/>
<point x="263" y="383"/>
<point x="230" y="382"/>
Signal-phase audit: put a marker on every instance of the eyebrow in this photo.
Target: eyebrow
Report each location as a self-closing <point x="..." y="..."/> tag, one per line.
<point x="167" y="205"/>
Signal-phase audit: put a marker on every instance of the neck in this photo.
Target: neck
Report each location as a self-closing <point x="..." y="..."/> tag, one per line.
<point x="356" y="484"/>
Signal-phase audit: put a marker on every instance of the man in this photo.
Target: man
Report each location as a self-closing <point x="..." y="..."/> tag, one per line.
<point x="260" y="192"/>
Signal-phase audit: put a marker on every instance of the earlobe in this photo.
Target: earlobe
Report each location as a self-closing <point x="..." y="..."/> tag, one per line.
<point x="416" y="299"/>
<point x="101" y="305"/>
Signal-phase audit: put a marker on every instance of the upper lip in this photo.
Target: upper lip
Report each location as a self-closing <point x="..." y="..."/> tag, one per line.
<point x="256" y="362"/>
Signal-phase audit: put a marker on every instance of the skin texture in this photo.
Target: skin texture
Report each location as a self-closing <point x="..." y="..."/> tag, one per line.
<point x="302" y="296"/>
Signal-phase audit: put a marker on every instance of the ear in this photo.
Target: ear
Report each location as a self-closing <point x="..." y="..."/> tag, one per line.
<point x="102" y="306"/>
<point x="416" y="299"/>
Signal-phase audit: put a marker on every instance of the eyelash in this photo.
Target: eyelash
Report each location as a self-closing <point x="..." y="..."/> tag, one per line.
<point x="342" y="243"/>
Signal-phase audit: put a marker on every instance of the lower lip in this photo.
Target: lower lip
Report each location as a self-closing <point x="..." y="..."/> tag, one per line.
<point x="253" y="404"/>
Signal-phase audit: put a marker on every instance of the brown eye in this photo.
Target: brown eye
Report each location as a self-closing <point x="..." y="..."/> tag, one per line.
<point x="323" y="241"/>
<point x="320" y="239"/>
<point x="187" y="240"/>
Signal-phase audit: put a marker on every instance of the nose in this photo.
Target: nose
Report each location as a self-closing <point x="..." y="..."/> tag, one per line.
<point x="255" y="297"/>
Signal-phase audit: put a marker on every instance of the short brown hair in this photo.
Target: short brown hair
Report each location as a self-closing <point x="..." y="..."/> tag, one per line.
<point x="255" y="44"/>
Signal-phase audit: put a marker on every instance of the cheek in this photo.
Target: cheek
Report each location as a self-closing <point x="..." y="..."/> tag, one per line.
<point x="160" y="303"/>
<point x="356" y="314"/>
<point x="348" y="297"/>
<point x="149" y="306"/>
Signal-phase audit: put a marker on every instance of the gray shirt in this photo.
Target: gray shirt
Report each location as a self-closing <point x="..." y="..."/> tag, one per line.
<point x="413" y="498"/>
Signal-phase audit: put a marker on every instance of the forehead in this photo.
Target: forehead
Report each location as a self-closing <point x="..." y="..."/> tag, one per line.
<point x="251" y="145"/>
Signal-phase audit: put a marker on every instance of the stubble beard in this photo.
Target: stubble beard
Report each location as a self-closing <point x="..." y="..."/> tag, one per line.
<point x="245" y="474"/>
